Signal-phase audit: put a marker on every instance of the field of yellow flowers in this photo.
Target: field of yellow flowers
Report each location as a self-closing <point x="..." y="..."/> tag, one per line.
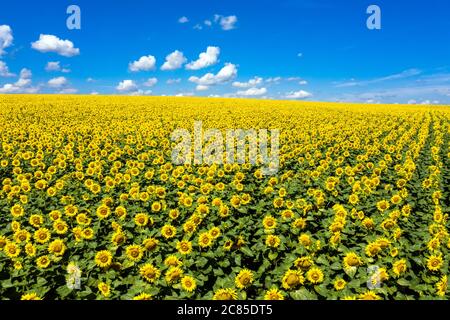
<point x="92" y="207"/>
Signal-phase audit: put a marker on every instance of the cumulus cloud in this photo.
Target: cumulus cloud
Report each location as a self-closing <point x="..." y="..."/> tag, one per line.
<point x="145" y="63"/>
<point x="205" y="59"/>
<point x="201" y="87"/>
<point x="252" y="92"/>
<point x="53" y="66"/>
<point x="4" y="70"/>
<point x="22" y="85"/>
<point x="172" y="81"/>
<point x="227" y="73"/>
<point x="251" y="83"/>
<point x="301" y="94"/>
<point x="68" y="91"/>
<point x="183" y="20"/>
<point x="174" y="61"/>
<point x="303" y="82"/>
<point x="150" y="82"/>
<point x="227" y="23"/>
<point x="51" y="43"/>
<point x="126" y="85"/>
<point x="6" y="38"/>
<point x="273" y="80"/>
<point x="140" y="93"/>
<point x="57" y="82"/>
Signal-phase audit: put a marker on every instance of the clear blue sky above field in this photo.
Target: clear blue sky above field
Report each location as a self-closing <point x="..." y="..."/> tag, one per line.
<point x="293" y="49"/>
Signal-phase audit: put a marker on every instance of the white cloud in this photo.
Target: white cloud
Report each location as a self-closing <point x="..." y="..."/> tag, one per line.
<point x="198" y="27"/>
<point x="252" y="92"/>
<point x="53" y="66"/>
<point x="94" y="93"/>
<point x="301" y="94"/>
<point x="208" y="23"/>
<point x="22" y="85"/>
<point x="227" y="73"/>
<point x="174" y="61"/>
<point x="412" y="101"/>
<point x="144" y="63"/>
<point x="4" y="70"/>
<point x="303" y="82"/>
<point x="140" y="93"/>
<point x="201" y="87"/>
<point x="51" y="43"/>
<point x="172" y="81"/>
<point x="6" y="38"/>
<point x="299" y="54"/>
<point x="68" y="91"/>
<point x="273" y="80"/>
<point x="126" y="85"/>
<point x="227" y="23"/>
<point x="150" y="82"/>
<point x="183" y="20"/>
<point x="205" y="59"/>
<point x="251" y="83"/>
<point x="90" y="79"/>
<point x="57" y="82"/>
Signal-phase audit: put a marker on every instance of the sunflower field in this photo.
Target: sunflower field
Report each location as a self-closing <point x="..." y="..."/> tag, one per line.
<point x="92" y="207"/>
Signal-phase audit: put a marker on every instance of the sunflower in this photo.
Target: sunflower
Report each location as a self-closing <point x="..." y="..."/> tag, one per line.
<point x="87" y="233"/>
<point x="104" y="289"/>
<point x="214" y="232"/>
<point x="60" y="226"/>
<point x="188" y="283"/>
<point x="353" y="199"/>
<point x="17" y="211"/>
<point x="149" y="272"/>
<point x="225" y="294"/>
<point x="172" y="261"/>
<point x="118" y="238"/>
<point x="372" y="249"/>
<point x="305" y="240"/>
<point x="143" y="296"/>
<point x="292" y="279"/>
<point x="168" y="231"/>
<point x="150" y="243"/>
<point x="273" y="241"/>
<point x="57" y="247"/>
<point x="314" y="275"/>
<point x="134" y="252"/>
<point x="184" y="247"/>
<point x="204" y="240"/>
<point x="399" y="267"/>
<point x="303" y="263"/>
<point x="299" y="223"/>
<point x="141" y="219"/>
<point x="441" y="286"/>
<point x="12" y="250"/>
<point x="103" y="211"/>
<point x="103" y="258"/>
<point x="173" y="274"/>
<point x="339" y="284"/>
<point x="269" y="222"/>
<point x="30" y="296"/>
<point x="382" y="205"/>
<point x="273" y="294"/>
<point x="244" y="279"/>
<point x="369" y="295"/>
<point x="21" y="236"/>
<point x="43" y="262"/>
<point x="36" y="220"/>
<point x="434" y="262"/>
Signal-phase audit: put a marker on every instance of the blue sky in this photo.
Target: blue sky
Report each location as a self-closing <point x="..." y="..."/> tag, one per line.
<point x="317" y="50"/>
